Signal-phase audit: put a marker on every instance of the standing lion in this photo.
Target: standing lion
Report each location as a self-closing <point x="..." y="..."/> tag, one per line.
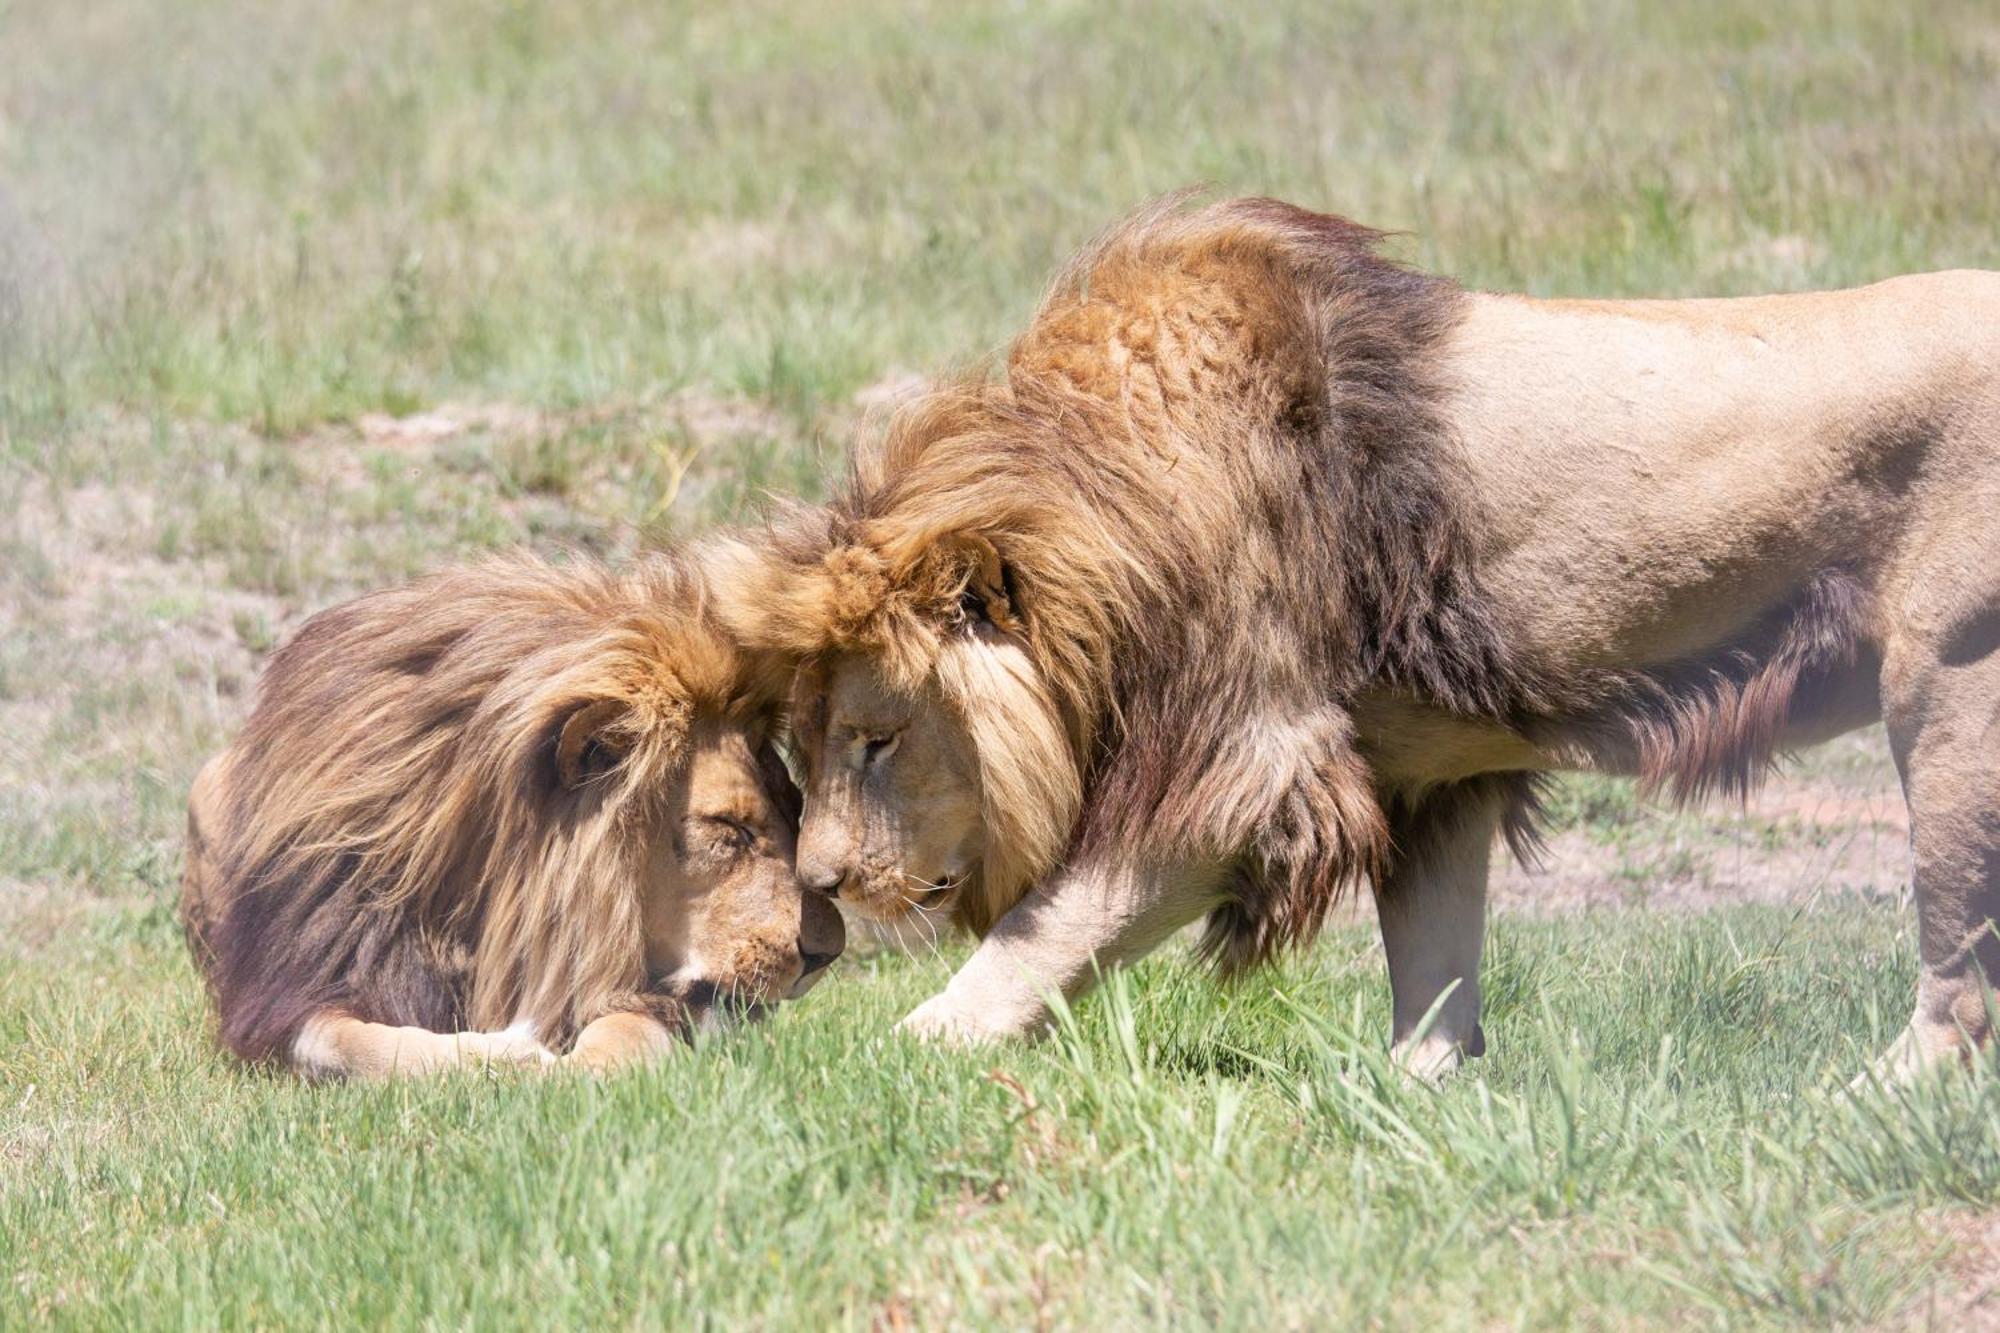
<point x="1270" y="566"/>
<point x="510" y="809"/>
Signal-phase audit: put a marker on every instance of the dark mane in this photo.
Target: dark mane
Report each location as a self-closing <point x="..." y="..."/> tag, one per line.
<point x="389" y="839"/>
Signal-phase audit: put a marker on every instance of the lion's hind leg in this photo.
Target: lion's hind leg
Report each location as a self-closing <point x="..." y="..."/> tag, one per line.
<point x="1942" y="707"/>
<point x="1431" y="905"/>
<point x="335" y="1045"/>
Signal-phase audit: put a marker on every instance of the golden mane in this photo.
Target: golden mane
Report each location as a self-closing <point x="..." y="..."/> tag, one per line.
<point x="1111" y="486"/>
<point x="393" y="836"/>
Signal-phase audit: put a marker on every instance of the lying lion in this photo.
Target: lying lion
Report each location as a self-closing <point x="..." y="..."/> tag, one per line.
<point x="506" y="810"/>
<point x="1270" y="567"/>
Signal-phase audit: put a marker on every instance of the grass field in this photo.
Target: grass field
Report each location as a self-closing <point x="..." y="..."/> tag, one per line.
<point x="297" y="298"/>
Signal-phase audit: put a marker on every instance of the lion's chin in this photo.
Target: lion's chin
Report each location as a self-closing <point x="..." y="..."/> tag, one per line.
<point x="725" y="1017"/>
<point x="710" y="1006"/>
<point x="909" y="927"/>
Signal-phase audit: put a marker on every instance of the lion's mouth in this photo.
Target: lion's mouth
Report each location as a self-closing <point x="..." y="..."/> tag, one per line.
<point x="805" y="983"/>
<point x="889" y="893"/>
<point x="939" y="892"/>
<point x="935" y="889"/>
<point x="722" y="1018"/>
<point x="710" y="1006"/>
<point x="888" y="909"/>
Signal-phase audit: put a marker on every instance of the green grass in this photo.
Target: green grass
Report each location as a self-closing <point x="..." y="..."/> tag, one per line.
<point x="300" y="297"/>
<point x="1659" y="1135"/>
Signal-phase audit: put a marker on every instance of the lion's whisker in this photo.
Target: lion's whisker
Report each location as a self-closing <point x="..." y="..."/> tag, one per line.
<point x="924" y="916"/>
<point x="945" y="885"/>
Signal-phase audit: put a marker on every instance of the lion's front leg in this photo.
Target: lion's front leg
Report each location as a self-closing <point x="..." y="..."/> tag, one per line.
<point x="1432" y="909"/>
<point x="1084" y="920"/>
<point x="335" y="1045"/>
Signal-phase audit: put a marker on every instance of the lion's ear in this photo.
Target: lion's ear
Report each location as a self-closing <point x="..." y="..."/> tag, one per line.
<point x="779" y="784"/>
<point x="592" y="743"/>
<point x="990" y="594"/>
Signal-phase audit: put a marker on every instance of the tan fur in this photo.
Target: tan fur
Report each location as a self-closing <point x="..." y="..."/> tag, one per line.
<point x="1311" y="562"/>
<point x="513" y="796"/>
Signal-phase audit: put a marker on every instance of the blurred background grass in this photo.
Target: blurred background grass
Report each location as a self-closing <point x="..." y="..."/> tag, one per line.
<point x="287" y="213"/>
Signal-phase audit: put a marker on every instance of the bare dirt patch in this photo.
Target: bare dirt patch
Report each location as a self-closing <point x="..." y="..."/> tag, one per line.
<point x="98" y="609"/>
<point x="1796" y="839"/>
<point x="1830" y="822"/>
<point x="611" y="465"/>
<point x="1966" y="1293"/>
<point x="419" y="429"/>
<point x="34" y="915"/>
<point x="705" y="416"/>
<point x="1832" y="825"/>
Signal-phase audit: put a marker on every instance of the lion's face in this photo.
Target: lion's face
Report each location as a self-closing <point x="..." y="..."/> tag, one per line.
<point x="725" y="918"/>
<point x="893" y="816"/>
<point x="943" y="761"/>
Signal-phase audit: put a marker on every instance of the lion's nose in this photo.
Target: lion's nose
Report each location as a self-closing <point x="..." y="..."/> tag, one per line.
<point x="826" y="879"/>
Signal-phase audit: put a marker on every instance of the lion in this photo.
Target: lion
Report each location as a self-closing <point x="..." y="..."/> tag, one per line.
<point x="1270" y="567"/>
<point x="511" y="809"/>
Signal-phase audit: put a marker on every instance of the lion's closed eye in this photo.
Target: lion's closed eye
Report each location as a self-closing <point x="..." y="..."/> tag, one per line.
<point x="721" y="835"/>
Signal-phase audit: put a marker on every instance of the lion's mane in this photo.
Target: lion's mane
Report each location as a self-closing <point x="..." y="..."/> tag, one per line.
<point x="390" y="839"/>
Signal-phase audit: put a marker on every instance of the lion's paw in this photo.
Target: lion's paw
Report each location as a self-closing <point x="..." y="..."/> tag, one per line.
<point x="938" y="1020"/>
<point x="1917" y="1052"/>
<point x="516" y="1045"/>
<point x="1429" y="1061"/>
